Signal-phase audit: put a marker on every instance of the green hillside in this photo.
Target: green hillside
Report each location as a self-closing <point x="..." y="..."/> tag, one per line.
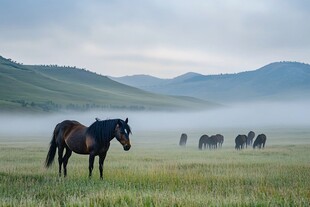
<point x="53" y="88"/>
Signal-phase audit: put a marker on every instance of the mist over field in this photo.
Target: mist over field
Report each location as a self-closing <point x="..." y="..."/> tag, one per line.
<point x="255" y="115"/>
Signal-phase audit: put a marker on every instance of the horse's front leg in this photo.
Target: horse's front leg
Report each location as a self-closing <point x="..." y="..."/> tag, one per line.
<point x="101" y="161"/>
<point x="91" y="163"/>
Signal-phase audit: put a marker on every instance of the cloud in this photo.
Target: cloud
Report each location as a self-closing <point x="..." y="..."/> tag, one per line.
<point x="179" y="36"/>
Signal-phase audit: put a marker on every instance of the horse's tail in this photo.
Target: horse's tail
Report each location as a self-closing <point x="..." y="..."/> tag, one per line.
<point x="52" y="151"/>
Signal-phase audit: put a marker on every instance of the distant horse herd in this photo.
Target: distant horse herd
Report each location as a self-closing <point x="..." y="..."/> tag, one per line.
<point x="216" y="141"/>
<point x="211" y="142"/>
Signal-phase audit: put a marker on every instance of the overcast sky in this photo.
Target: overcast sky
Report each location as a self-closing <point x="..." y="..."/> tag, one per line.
<point x="163" y="38"/>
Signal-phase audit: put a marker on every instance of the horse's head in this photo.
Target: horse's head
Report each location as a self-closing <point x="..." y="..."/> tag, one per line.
<point x="122" y="131"/>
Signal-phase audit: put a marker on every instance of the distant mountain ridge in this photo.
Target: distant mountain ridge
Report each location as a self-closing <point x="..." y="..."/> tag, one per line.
<point x="141" y="81"/>
<point x="55" y="88"/>
<point x="138" y="80"/>
<point x="275" y="81"/>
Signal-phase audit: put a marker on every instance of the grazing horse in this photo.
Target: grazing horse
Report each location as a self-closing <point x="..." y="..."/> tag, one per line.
<point x="208" y="142"/>
<point x="251" y="136"/>
<point x="220" y="140"/>
<point x="203" y="141"/>
<point x="183" y="139"/>
<point x="212" y="142"/>
<point x="240" y="141"/>
<point x="259" y="141"/>
<point x="93" y="140"/>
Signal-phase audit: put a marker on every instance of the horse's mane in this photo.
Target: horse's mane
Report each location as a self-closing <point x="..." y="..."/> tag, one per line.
<point x="103" y="131"/>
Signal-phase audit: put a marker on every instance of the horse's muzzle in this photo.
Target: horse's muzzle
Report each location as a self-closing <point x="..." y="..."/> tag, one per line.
<point x="126" y="147"/>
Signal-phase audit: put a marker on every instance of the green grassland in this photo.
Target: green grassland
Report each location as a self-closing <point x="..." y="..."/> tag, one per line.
<point x="157" y="172"/>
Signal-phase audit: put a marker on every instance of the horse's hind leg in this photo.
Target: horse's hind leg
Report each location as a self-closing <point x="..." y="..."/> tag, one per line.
<point x="60" y="159"/>
<point x="65" y="160"/>
<point x="91" y="163"/>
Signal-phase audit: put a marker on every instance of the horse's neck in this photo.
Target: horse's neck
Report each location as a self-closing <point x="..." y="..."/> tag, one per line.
<point x="106" y="140"/>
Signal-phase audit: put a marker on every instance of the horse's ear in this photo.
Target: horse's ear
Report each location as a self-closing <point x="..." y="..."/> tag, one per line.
<point x="126" y="121"/>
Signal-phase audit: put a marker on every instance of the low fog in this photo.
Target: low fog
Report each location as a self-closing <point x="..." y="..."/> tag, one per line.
<point x="239" y="116"/>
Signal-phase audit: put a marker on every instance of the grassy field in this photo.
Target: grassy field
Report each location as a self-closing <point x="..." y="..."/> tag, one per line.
<point x="157" y="172"/>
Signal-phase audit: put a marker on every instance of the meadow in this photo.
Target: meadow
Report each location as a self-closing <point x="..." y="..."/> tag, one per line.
<point x="157" y="172"/>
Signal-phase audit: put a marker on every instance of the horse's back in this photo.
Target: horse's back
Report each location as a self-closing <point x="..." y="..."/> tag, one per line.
<point x="72" y="134"/>
<point x="68" y="124"/>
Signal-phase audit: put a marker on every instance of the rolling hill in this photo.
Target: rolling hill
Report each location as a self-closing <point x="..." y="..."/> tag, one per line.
<point x="54" y="88"/>
<point x="275" y="81"/>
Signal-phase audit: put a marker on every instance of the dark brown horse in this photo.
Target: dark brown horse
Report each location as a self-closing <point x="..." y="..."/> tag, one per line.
<point x="207" y="142"/>
<point x="183" y="139"/>
<point x="220" y="140"/>
<point x="251" y="136"/>
<point x="93" y="140"/>
<point x="260" y="141"/>
<point x="203" y="141"/>
<point x="240" y="141"/>
<point x="212" y="142"/>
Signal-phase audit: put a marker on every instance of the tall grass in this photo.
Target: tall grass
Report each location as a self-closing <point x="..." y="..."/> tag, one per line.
<point x="158" y="175"/>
